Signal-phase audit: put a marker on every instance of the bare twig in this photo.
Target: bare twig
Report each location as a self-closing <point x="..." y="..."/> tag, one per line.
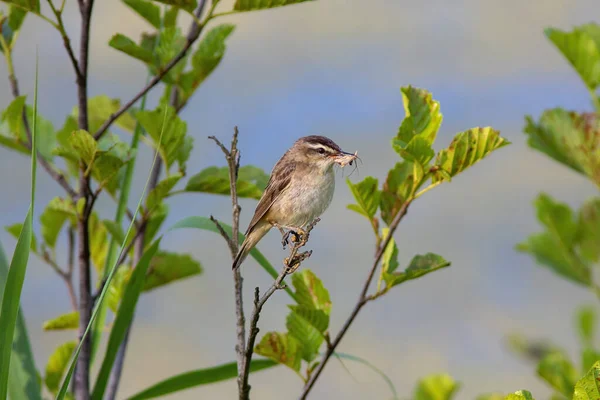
<point x="192" y="36"/>
<point x="233" y="161"/>
<point x="229" y="241"/>
<point x="66" y="41"/>
<point x="362" y="300"/>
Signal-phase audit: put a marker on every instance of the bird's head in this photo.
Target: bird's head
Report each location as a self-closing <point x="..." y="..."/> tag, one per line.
<point x="321" y="152"/>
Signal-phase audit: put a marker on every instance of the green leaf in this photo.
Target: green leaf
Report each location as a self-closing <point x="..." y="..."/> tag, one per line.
<point x="10" y="25"/>
<point x="419" y="266"/>
<point x="520" y="395"/>
<point x="169" y="44"/>
<point x="85" y="145"/>
<point x="15" y="231"/>
<point x="282" y="348"/>
<point x="11" y="296"/>
<point x="204" y="223"/>
<point x="187" y="5"/>
<point x="100" y="108"/>
<point x="117" y="287"/>
<point x="23" y="382"/>
<point x="491" y="396"/>
<point x="588" y="388"/>
<point x="367" y="196"/>
<point x="308" y="326"/>
<point x="249" y="5"/>
<point x="46" y="136"/>
<point x="400" y="186"/>
<point x="57" y="364"/>
<point x="168" y="267"/>
<point x="581" y="50"/>
<point x="126" y="45"/>
<point x="54" y="217"/>
<point x="174" y="131"/>
<point x="436" y="387"/>
<point x="530" y="349"/>
<point x="147" y="10"/>
<point x="206" y="58"/>
<point x="556" y="247"/>
<point x="310" y="291"/>
<point x="199" y="377"/>
<point x="588" y="235"/>
<point x="13" y="117"/>
<point x="569" y="138"/>
<point x="466" y="149"/>
<point x="29" y="5"/>
<point x="98" y="242"/>
<point x="170" y="18"/>
<point x="13" y="144"/>
<point x="63" y="322"/>
<point x="123" y="318"/>
<point x="251" y="181"/>
<point x="589" y="356"/>
<point x="586" y="324"/>
<point x="157" y="217"/>
<point x="419" y="128"/>
<point x="114" y="229"/>
<point x="390" y="255"/>
<point x="559" y="372"/>
<point x="161" y="191"/>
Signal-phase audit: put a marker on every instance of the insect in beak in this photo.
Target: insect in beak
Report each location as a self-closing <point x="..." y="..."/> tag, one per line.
<point x="343" y="158"/>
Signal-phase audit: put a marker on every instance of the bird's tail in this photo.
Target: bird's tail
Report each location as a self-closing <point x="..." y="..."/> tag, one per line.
<point x="253" y="237"/>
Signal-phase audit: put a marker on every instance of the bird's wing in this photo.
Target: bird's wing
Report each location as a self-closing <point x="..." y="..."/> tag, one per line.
<point x="278" y="182"/>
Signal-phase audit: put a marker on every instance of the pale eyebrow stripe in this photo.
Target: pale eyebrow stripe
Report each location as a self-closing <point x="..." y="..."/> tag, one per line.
<point x="320" y="146"/>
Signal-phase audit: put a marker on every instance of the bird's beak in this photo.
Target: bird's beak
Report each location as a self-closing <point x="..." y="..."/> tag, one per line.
<point x="343" y="158"/>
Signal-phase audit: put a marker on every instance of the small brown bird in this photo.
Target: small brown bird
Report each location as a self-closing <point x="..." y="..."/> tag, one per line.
<point x="300" y="189"/>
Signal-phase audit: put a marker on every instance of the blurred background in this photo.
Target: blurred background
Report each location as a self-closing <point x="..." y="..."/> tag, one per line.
<point x="335" y="67"/>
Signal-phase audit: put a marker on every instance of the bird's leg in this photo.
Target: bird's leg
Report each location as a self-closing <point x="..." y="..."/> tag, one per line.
<point x="284" y="235"/>
<point x="300" y="235"/>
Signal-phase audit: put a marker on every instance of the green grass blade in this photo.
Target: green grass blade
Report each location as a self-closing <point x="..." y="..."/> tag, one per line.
<point x="198" y="377"/>
<point x="18" y="266"/>
<point x="111" y="258"/>
<point x="65" y="386"/>
<point x="123" y="318"/>
<point x="207" y="225"/>
<point x="22" y="375"/>
<point x="379" y="372"/>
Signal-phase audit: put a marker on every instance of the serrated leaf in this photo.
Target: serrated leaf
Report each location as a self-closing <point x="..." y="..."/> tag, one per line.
<point x="57" y="364"/>
<point x="63" y="322"/>
<point x="466" y="149"/>
<point x="128" y="46"/>
<point x="13" y="117"/>
<point x="15" y="231"/>
<point x="174" y="131"/>
<point x="157" y="217"/>
<point x="559" y="372"/>
<point x="147" y="10"/>
<point x="308" y="325"/>
<point x="436" y="387"/>
<point x="568" y="137"/>
<point x="419" y="266"/>
<point x="170" y="18"/>
<point x="555" y="248"/>
<point x="53" y="218"/>
<point x="46" y="136"/>
<point x="10" y="25"/>
<point x="167" y="267"/>
<point x="85" y="145"/>
<point x="183" y="155"/>
<point x="161" y="190"/>
<point x="14" y="144"/>
<point x="520" y="395"/>
<point x="282" y="348"/>
<point x="400" y="186"/>
<point x="251" y="181"/>
<point x="117" y="287"/>
<point x="367" y="196"/>
<point x="419" y="128"/>
<point x="249" y="5"/>
<point x="206" y="58"/>
<point x="588" y="234"/>
<point x="310" y="291"/>
<point x="582" y="50"/>
<point x="170" y="43"/>
<point x="588" y="387"/>
<point x="586" y="324"/>
<point x="187" y="5"/>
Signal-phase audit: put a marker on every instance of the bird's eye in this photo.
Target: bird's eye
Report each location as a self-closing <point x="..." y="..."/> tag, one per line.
<point x="321" y="150"/>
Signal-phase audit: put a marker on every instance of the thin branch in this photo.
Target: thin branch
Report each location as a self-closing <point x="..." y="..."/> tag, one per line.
<point x="230" y="243"/>
<point x="362" y="300"/>
<point x="66" y="41"/>
<point x="192" y="36"/>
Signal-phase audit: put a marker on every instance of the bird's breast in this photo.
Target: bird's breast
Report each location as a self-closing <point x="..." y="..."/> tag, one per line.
<point x="307" y="198"/>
